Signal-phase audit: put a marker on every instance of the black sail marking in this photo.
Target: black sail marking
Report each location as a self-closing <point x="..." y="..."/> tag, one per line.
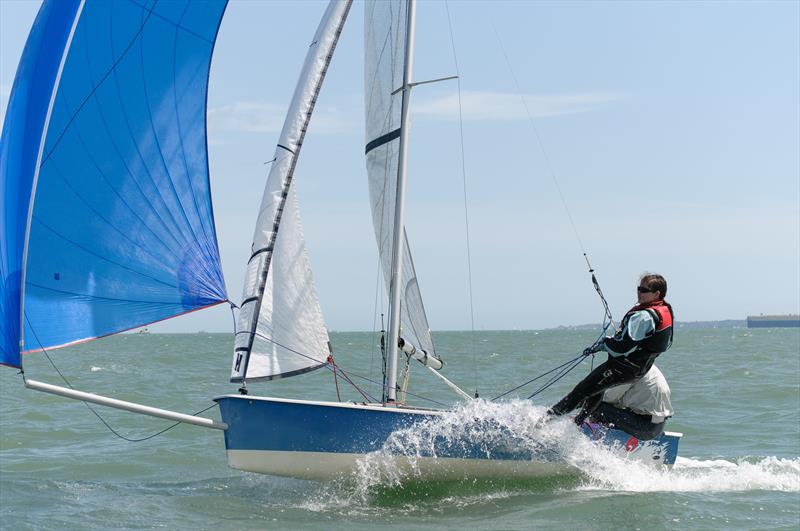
<point x="381" y="140"/>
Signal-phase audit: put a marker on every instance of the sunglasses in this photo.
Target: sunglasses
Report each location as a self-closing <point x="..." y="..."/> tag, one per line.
<point x="642" y="289"/>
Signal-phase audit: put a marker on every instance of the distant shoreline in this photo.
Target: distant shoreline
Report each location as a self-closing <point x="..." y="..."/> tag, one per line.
<point x="726" y="323"/>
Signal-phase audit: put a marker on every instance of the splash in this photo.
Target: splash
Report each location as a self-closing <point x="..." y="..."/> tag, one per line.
<point x="690" y="475"/>
<point x="517" y="427"/>
<point x="480" y="429"/>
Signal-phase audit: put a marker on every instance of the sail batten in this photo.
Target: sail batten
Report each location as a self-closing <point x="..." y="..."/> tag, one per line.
<point x="284" y="329"/>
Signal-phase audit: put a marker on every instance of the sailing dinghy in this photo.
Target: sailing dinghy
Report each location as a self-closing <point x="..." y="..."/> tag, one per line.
<point x="106" y="128"/>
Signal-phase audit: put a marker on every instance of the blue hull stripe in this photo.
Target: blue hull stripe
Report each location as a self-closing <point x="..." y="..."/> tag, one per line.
<point x="284" y="425"/>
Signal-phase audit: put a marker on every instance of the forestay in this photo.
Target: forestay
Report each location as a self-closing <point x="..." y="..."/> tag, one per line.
<point x="106" y="130"/>
<point x="385" y="36"/>
<point x="281" y="331"/>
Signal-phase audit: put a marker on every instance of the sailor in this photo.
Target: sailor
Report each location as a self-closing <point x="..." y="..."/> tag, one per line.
<point x="645" y="332"/>
<point x="639" y="408"/>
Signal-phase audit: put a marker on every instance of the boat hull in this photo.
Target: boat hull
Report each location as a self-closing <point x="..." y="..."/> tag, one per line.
<point x="328" y="465"/>
<point x="317" y="440"/>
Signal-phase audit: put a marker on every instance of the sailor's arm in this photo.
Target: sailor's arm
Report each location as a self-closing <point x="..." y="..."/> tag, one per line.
<point x="639" y="326"/>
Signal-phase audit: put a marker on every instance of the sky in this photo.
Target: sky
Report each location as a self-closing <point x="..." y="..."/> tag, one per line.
<point x="670" y="129"/>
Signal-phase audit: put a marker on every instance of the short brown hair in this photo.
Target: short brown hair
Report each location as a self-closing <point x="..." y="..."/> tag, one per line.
<point x="654" y="282"/>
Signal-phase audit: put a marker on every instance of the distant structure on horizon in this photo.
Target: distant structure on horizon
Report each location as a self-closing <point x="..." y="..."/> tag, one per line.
<point x="773" y="321"/>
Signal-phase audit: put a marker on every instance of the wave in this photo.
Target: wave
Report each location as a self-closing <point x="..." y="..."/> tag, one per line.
<point x="698" y="475"/>
<point x="517" y="426"/>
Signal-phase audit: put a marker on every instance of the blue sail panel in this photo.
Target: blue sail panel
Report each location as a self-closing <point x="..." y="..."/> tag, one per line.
<point x="122" y="231"/>
<point x="19" y="148"/>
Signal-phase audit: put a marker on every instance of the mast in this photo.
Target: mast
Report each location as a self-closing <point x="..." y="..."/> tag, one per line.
<point x="397" y="236"/>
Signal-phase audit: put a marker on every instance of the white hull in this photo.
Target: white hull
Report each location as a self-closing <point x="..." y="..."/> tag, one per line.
<point x="328" y="466"/>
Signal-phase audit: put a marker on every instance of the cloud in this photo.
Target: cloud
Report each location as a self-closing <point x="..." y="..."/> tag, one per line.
<point x="482" y="105"/>
<point x="259" y="117"/>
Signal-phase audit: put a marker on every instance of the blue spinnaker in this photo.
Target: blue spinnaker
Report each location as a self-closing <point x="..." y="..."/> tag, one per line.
<point x="121" y="230"/>
<point x="19" y="148"/>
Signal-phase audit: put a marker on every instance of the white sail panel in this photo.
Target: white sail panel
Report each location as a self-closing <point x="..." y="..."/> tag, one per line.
<point x="385" y="36"/>
<point x="290" y="336"/>
<point x="280" y="330"/>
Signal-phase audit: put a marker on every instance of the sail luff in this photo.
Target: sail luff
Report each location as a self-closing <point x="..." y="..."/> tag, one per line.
<point x="27" y="115"/>
<point x="398" y="231"/>
<point x="78" y="13"/>
<point x="279" y="202"/>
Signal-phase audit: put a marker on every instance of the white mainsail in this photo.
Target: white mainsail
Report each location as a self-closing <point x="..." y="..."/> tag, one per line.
<point x="281" y="331"/>
<point x="385" y="45"/>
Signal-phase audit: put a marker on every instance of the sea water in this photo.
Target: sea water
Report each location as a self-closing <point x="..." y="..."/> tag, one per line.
<point x="736" y="393"/>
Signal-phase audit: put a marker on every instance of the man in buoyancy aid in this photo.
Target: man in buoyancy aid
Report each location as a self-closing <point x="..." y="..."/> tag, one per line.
<point x="639" y="408"/>
<point x="645" y="332"/>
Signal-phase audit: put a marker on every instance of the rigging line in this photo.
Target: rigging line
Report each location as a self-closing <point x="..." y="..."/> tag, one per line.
<point x="375" y="315"/>
<point x="576" y="360"/>
<point x="334" y="367"/>
<point x="335" y="377"/>
<point x="92" y="409"/>
<point x="555" y="379"/>
<point x="536" y="378"/>
<point x="421" y="397"/>
<point x="327" y="363"/>
<point x="564" y="372"/>
<point x="346" y="375"/>
<point x="607" y="317"/>
<point x="552" y="172"/>
<point x="383" y="355"/>
<point x="466" y="209"/>
<point x="548" y="164"/>
<point x="233" y="316"/>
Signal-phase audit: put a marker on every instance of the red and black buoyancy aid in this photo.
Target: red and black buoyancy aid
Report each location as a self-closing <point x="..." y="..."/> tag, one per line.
<point x="661" y="312"/>
<point x="648" y="349"/>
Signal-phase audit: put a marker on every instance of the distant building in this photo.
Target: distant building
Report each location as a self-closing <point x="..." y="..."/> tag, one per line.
<point x="773" y="321"/>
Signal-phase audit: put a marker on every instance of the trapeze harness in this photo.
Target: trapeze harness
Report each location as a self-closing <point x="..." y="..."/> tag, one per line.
<point x="628" y="358"/>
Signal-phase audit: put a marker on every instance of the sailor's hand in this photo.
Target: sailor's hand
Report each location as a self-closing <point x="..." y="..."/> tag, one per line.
<point x="594" y="348"/>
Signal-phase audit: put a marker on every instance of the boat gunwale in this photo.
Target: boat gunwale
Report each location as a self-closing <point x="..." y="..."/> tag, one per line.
<point x="374" y="406"/>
